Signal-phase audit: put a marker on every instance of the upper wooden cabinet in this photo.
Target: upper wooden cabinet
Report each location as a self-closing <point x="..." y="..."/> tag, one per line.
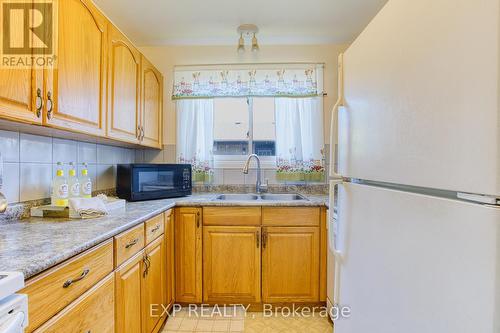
<point x="21" y="90"/>
<point x="123" y="88"/>
<point x="75" y="97"/>
<point x="20" y="94"/>
<point x="100" y="85"/>
<point x="188" y="255"/>
<point x="151" y="105"/>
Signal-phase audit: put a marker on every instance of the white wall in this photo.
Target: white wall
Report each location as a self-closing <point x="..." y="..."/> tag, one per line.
<point x="165" y="58"/>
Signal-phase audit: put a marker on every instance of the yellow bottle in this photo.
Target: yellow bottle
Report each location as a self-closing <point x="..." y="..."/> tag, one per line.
<point x="73" y="182"/>
<point x="60" y="188"/>
<point x="85" y="183"/>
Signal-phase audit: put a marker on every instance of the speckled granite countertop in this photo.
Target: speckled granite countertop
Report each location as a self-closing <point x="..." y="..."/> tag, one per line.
<point x="34" y="245"/>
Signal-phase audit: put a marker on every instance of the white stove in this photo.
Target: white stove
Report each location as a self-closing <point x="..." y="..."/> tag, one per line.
<point x="13" y="307"/>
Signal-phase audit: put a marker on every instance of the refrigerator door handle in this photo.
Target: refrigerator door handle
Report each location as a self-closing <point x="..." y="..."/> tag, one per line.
<point x="479" y="198"/>
<point x="335" y="229"/>
<point x="334" y="120"/>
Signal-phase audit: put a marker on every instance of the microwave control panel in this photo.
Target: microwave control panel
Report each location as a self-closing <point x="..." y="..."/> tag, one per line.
<point x="186" y="179"/>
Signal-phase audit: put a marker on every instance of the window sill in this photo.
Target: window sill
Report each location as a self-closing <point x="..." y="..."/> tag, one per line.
<point x="238" y="161"/>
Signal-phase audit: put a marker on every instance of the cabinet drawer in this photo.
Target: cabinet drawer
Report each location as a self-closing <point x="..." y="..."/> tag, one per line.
<point x="231" y="216"/>
<point x="128" y="243"/>
<point x="290" y="216"/>
<point x="154" y="228"/>
<point x="53" y="290"/>
<point x="92" y="312"/>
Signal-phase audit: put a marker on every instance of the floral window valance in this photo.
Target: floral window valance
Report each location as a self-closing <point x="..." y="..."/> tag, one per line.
<point x="278" y="80"/>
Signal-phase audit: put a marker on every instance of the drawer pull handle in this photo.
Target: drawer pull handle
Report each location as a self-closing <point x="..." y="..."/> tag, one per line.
<point x="257" y="238"/>
<point x="69" y="282"/>
<point x="155" y="229"/>
<point x="132" y="243"/>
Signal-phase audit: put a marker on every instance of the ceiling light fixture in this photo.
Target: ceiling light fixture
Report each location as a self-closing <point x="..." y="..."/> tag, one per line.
<point x="255" y="44"/>
<point x="241" y="44"/>
<point x="248" y="31"/>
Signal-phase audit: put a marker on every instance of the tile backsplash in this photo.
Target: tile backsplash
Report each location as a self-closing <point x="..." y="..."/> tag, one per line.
<point x="30" y="163"/>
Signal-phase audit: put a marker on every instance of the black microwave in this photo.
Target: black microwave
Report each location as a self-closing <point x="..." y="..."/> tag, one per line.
<point x="136" y="182"/>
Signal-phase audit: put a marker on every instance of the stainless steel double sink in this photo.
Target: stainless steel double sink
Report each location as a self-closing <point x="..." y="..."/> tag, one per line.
<point x="263" y="197"/>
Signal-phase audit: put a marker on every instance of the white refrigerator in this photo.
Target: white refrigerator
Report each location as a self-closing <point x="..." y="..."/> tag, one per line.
<point x="415" y="245"/>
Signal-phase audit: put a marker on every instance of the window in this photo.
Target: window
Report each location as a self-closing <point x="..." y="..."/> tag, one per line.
<point x="231" y="126"/>
<point x="241" y="126"/>
<point x="287" y="134"/>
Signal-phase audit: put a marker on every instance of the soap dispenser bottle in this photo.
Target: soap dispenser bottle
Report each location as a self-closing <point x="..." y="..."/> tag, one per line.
<point x="73" y="182"/>
<point x="60" y="188"/>
<point x="85" y="183"/>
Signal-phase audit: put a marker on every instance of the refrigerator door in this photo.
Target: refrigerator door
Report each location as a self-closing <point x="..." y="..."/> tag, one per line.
<point x="422" y="97"/>
<point x="417" y="264"/>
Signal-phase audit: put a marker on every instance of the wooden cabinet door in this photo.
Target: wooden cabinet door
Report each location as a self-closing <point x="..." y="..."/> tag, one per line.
<point x="188" y="255"/>
<point x="128" y="280"/>
<point x="19" y="95"/>
<point x="92" y="312"/>
<point x="123" y="88"/>
<point x="151" y="105"/>
<point x="231" y="264"/>
<point x="154" y="284"/>
<point x="170" y="259"/>
<point x="290" y="264"/>
<point x="76" y="89"/>
<point x="19" y="87"/>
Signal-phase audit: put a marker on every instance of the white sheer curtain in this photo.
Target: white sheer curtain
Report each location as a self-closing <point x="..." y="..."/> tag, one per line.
<point x="299" y="139"/>
<point x="195" y="137"/>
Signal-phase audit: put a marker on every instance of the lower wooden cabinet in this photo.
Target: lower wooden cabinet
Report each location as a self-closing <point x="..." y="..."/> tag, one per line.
<point x="290" y="264"/>
<point x="170" y="259"/>
<point x="51" y="291"/>
<point x="140" y="285"/>
<point x="188" y="255"/>
<point x="153" y="284"/>
<point x="231" y="264"/>
<point x="183" y="261"/>
<point x="128" y="295"/>
<point x="92" y="312"/>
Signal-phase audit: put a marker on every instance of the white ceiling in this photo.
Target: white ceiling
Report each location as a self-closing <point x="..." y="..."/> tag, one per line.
<point x="214" y="22"/>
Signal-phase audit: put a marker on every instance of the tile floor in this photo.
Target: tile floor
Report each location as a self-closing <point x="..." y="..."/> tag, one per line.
<point x="239" y="321"/>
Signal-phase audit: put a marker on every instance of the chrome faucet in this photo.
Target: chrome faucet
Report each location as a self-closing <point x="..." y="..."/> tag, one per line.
<point x="259" y="188"/>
